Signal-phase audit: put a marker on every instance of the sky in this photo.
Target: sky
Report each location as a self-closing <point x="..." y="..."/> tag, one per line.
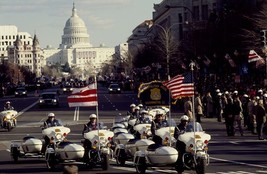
<point x="108" y="22"/>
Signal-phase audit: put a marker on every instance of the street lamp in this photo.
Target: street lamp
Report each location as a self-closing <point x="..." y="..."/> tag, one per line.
<point x="166" y="32"/>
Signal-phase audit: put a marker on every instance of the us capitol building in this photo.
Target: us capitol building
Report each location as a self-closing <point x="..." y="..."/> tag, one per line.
<point x="75" y="48"/>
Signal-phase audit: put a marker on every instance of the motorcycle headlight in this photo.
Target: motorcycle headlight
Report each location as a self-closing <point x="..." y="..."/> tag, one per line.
<point x="199" y="144"/>
<point x="7" y="117"/>
<point x="59" y="136"/>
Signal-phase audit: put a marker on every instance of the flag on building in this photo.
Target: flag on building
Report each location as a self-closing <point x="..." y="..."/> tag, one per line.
<point x="83" y="97"/>
<point x="253" y="56"/>
<point x="181" y="86"/>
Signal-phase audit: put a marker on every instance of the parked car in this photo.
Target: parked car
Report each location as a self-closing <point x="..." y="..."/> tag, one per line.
<point x="48" y="99"/>
<point x="114" y="88"/>
<point x="21" y="92"/>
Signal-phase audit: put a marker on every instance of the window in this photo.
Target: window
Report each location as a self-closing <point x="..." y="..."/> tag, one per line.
<point x="205" y="15"/>
<point x="196" y="13"/>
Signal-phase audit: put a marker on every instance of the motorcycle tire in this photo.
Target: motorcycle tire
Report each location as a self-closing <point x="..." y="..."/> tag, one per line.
<point x="120" y="159"/>
<point x="15" y="153"/>
<point x="50" y="161"/>
<point x="105" y="162"/>
<point x="201" y="166"/>
<point x="141" y="166"/>
<point x="9" y="127"/>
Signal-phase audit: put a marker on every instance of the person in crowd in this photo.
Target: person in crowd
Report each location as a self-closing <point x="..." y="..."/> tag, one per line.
<point x="198" y="107"/>
<point x="252" y="105"/>
<point x="135" y="113"/>
<point x="188" y="108"/>
<point x="237" y="112"/>
<point x="8" y="106"/>
<point x="260" y="118"/>
<point x="228" y="115"/>
<point x="209" y="105"/>
<point x="245" y="101"/>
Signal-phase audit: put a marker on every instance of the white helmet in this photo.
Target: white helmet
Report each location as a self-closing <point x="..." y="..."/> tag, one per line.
<point x="8" y="102"/>
<point x="184" y="118"/>
<point x="132" y="105"/>
<point x="51" y="115"/>
<point x="143" y="111"/>
<point x="92" y="116"/>
<point x="140" y="105"/>
<point x="137" y="108"/>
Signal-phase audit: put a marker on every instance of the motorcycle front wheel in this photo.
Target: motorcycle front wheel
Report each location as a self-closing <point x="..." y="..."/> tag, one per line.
<point x="105" y="161"/>
<point x="141" y="166"/>
<point x="9" y="127"/>
<point x="201" y="166"/>
<point x="50" y="161"/>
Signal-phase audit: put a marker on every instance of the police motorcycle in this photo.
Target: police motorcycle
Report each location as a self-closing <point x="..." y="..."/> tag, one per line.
<point x="160" y="153"/>
<point x="8" y="119"/>
<point x="60" y="150"/>
<point x="196" y="155"/>
<point x="100" y="151"/>
<point x="120" y="124"/>
<point x="29" y="147"/>
<point x="127" y="144"/>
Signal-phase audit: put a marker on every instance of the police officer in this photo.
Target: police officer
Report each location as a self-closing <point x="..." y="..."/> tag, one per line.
<point x="8" y="106"/>
<point x="51" y="121"/>
<point x="91" y="125"/>
<point x="158" y="122"/>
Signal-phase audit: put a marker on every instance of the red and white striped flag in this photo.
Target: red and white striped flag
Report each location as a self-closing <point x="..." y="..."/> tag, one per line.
<point x="84" y="97"/>
<point x="181" y="86"/>
<point x="253" y="56"/>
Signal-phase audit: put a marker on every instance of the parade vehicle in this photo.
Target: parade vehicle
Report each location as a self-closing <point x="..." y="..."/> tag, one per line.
<point x="196" y="155"/>
<point x="156" y="154"/>
<point x="60" y="150"/>
<point x="8" y="119"/>
<point x="127" y="144"/>
<point x="29" y="147"/>
<point x="100" y="151"/>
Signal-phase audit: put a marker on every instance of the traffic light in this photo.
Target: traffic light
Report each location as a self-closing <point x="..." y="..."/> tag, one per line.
<point x="263" y="38"/>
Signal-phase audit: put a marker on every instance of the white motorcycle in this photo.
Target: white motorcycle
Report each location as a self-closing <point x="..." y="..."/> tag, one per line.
<point x="60" y="150"/>
<point x="157" y="155"/>
<point x="29" y="147"/>
<point x="8" y="119"/>
<point x="100" y="151"/>
<point x="128" y="144"/>
<point x="196" y="155"/>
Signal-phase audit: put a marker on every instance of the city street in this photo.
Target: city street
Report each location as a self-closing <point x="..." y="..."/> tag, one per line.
<point x="232" y="155"/>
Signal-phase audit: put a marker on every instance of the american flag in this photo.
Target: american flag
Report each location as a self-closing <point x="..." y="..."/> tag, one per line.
<point x="84" y="97"/>
<point x="181" y="86"/>
<point x="253" y="56"/>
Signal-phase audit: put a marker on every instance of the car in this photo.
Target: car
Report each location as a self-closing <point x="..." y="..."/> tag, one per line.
<point x="21" y="92"/>
<point x="48" y="99"/>
<point x="114" y="88"/>
<point x="67" y="88"/>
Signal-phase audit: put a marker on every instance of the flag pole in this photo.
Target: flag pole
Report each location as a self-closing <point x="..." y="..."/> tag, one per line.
<point x="97" y="123"/>
<point x="191" y="65"/>
<point x="169" y="78"/>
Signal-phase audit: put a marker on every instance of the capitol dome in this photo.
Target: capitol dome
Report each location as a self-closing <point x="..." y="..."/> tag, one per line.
<point x="75" y="32"/>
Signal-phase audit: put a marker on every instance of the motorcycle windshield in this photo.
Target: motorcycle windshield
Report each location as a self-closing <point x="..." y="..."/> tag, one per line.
<point x="190" y="127"/>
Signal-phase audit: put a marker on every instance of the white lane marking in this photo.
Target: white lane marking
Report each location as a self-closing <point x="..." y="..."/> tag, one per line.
<point x="239" y="163"/>
<point x="27" y="108"/>
<point x="261" y="171"/>
<point x="243" y="172"/>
